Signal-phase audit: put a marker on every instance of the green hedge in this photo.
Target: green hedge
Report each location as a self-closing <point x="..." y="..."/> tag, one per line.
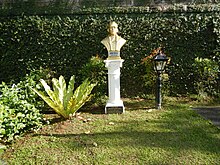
<point x="66" y="43"/>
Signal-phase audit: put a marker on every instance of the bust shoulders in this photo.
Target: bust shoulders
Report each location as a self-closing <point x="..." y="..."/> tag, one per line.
<point x="113" y="43"/>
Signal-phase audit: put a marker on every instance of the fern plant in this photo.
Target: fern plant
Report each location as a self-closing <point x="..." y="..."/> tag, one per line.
<point x="62" y="99"/>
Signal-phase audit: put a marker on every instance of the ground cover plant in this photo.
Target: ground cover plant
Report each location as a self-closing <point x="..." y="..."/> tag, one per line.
<point x="20" y="108"/>
<point x="174" y="135"/>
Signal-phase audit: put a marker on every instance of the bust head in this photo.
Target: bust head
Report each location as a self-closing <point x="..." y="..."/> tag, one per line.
<point x="112" y="28"/>
<point x="113" y="42"/>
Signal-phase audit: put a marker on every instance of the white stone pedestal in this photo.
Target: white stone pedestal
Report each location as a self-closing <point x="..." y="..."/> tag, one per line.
<point x="114" y="104"/>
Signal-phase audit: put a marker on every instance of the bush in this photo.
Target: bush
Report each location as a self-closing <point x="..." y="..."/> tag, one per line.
<point x="17" y="116"/>
<point x="20" y="107"/>
<point x="206" y="73"/>
<point x="96" y="72"/>
<point x="32" y="80"/>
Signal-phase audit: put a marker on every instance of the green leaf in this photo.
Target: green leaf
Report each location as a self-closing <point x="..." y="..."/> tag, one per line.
<point x="70" y="89"/>
<point x="58" y="93"/>
<point x="58" y="108"/>
<point x="48" y="90"/>
<point x="81" y="96"/>
<point x="62" y="90"/>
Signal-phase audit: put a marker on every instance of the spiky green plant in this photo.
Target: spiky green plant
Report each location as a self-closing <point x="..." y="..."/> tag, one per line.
<point x="62" y="99"/>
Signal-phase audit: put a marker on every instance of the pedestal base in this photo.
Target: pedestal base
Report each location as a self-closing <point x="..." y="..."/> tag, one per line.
<point x="114" y="108"/>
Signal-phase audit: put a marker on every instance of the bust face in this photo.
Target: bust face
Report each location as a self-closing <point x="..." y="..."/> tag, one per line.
<point x="113" y="28"/>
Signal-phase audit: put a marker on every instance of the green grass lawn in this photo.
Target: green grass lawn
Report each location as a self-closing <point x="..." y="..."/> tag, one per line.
<point x="141" y="136"/>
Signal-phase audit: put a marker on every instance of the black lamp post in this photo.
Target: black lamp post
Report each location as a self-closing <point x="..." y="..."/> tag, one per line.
<point x="160" y="62"/>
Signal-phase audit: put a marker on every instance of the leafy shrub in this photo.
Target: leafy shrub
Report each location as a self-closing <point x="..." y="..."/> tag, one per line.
<point x="206" y="73"/>
<point x="62" y="99"/>
<point x="16" y="114"/>
<point x="150" y="76"/>
<point x="96" y="72"/>
<point x="20" y="107"/>
<point x="150" y="73"/>
<point x="31" y="80"/>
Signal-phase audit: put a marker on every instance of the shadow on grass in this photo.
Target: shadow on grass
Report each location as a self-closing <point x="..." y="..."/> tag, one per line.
<point x="169" y="133"/>
<point x="139" y="104"/>
<point x="137" y="139"/>
<point x="177" y="129"/>
<point x="93" y="109"/>
<point x="130" y="104"/>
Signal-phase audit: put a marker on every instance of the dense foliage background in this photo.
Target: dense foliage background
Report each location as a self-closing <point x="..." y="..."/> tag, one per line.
<point x="67" y="42"/>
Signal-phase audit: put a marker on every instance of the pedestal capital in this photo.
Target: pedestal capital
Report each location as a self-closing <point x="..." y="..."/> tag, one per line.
<point x="113" y="63"/>
<point x="113" y="66"/>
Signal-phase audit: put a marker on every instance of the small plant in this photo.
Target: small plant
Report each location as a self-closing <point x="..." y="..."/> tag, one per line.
<point x="62" y="99"/>
<point x="31" y="80"/>
<point x="150" y="76"/>
<point x="95" y="71"/>
<point x="206" y="74"/>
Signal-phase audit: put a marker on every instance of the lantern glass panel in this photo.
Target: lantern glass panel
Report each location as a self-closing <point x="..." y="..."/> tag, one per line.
<point x="160" y="65"/>
<point x="160" y="62"/>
